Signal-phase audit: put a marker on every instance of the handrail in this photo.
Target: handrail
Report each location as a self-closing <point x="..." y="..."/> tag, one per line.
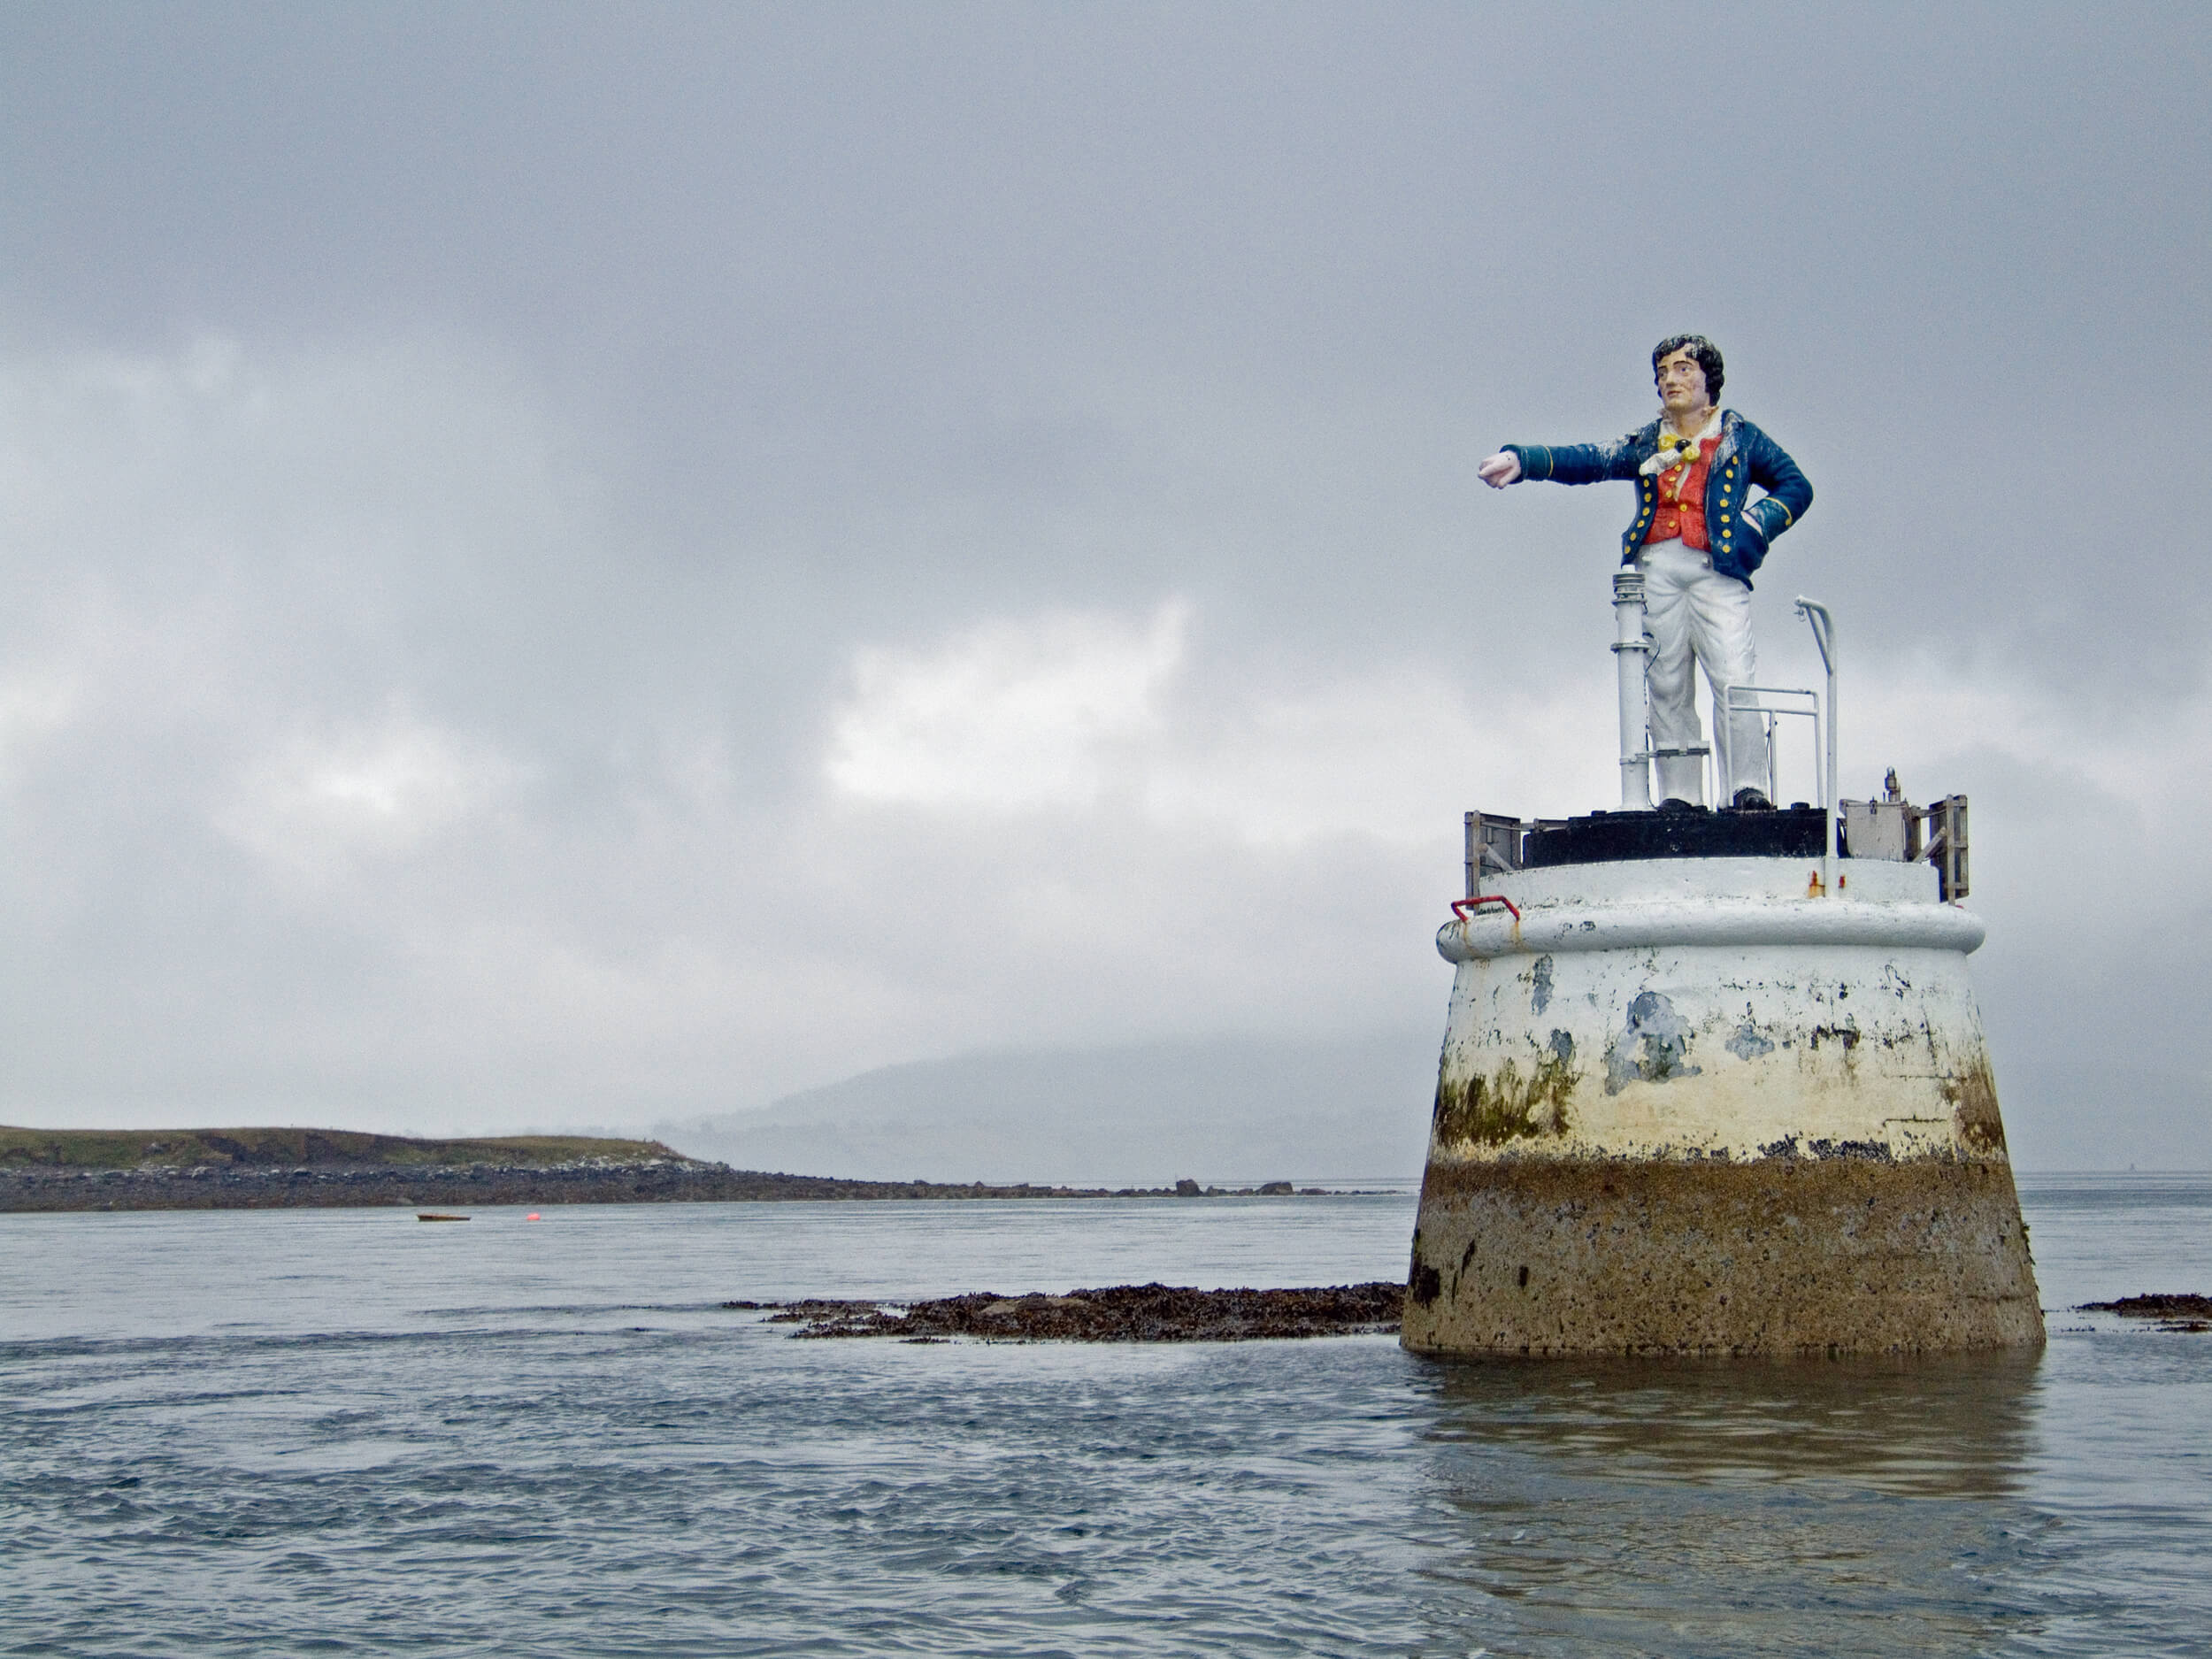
<point x="1823" y="627"/>
<point x="1459" y="907"/>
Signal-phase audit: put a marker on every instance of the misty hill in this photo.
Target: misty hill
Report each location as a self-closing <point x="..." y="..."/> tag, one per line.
<point x="1239" y="1110"/>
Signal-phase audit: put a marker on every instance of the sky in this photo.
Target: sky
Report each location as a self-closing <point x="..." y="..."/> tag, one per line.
<point x="592" y="565"/>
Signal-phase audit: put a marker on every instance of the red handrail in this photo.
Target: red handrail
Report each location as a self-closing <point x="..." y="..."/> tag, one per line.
<point x="1459" y="907"/>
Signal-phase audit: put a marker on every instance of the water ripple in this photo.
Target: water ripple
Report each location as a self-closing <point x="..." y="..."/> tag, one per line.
<point x="502" y="1452"/>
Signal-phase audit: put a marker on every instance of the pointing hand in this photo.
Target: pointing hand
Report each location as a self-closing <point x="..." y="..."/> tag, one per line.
<point x="1500" y="469"/>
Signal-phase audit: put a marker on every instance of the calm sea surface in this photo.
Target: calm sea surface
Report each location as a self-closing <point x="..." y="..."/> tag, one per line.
<point x="343" y="1432"/>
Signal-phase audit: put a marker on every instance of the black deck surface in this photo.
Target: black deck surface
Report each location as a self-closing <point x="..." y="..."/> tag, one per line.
<point x="1611" y="837"/>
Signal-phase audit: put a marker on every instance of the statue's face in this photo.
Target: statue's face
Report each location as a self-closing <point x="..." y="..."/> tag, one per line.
<point x="1682" y="384"/>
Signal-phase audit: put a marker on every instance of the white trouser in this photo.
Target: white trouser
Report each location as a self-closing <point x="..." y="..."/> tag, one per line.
<point x="1690" y="608"/>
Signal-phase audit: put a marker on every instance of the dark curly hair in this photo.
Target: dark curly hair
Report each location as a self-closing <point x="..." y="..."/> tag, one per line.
<point x="1706" y="353"/>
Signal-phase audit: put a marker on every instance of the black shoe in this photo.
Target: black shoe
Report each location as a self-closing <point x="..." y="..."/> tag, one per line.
<point x="1752" y="801"/>
<point x="1676" y="803"/>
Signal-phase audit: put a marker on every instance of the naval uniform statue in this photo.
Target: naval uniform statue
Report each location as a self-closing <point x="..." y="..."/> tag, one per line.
<point x="1701" y="1089"/>
<point x="1698" y="534"/>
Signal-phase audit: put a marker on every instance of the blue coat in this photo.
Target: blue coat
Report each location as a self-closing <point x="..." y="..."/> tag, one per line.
<point x="1741" y="529"/>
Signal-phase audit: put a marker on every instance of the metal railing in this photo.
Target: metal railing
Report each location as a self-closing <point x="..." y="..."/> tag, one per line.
<point x="1750" y="700"/>
<point x="1823" y="627"/>
<point x="1494" y="841"/>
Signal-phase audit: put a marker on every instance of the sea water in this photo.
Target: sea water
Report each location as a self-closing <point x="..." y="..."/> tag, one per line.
<point x="342" y="1432"/>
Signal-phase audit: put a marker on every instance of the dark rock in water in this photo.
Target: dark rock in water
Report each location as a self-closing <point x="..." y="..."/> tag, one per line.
<point x="817" y="1310"/>
<point x="2182" y="1311"/>
<point x="1123" y="1313"/>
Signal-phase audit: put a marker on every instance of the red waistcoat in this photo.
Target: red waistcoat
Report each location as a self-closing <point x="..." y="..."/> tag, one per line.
<point x="1680" y="510"/>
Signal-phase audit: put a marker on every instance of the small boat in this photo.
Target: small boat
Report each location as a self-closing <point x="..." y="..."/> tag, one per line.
<point x="432" y="1215"/>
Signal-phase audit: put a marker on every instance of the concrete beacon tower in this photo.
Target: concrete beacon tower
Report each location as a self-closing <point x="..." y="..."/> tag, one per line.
<point x="1707" y="1087"/>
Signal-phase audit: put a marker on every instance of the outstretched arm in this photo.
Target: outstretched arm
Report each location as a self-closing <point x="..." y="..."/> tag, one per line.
<point x="1570" y="463"/>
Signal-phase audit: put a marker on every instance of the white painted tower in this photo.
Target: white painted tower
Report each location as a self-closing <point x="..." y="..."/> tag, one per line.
<point x="1708" y="1087"/>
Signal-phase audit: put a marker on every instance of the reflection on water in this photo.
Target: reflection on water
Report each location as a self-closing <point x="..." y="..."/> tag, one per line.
<point x="1723" y="1507"/>
<point x="1955" y="1426"/>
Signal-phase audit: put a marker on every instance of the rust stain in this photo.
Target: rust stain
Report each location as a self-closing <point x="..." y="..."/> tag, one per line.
<point x="1971" y="1095"/>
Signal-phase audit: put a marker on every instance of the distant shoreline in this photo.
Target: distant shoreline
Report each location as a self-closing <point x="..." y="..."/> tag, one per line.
<point x="291" y="1168"/>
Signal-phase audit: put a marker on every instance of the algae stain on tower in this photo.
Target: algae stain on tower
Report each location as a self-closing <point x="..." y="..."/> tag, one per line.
<point x="1682" y="1106"/>
<point x="1505" y="1106"/>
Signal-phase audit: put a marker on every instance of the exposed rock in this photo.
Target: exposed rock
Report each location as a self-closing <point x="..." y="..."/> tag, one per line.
<point x="1123" y="1313"/>
<point x="2179" y="1311"/>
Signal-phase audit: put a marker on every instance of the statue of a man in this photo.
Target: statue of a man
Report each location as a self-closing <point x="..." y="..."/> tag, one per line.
<point x="1698" y="534"/>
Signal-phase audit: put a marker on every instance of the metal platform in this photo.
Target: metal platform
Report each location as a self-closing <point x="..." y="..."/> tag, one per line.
<point x="1888" y="829"/>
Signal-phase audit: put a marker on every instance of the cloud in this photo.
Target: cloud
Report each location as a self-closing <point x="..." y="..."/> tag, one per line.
<point x="1005" y="716"/>
<point x="1064" y="710"/>
<point x="36" y="703"/>
<point x="620" y="582"/>
<point x="1930" y="711"/>
<point x="366" y="766"/>
<point x="380" y="790"/>
<point x="1386" y="753"/>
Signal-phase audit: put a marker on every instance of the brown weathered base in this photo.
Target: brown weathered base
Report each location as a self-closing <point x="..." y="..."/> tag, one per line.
<point x="1782" y="1256"/>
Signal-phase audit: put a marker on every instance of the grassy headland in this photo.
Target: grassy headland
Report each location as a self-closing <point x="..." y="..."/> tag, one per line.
<point x="272" y="1169"/>
<point x="292" y="1148"/>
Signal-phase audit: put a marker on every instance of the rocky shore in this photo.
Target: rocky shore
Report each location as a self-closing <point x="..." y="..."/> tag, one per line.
<point x="1121" y="1313"/>
<point x="273" y="1169"/>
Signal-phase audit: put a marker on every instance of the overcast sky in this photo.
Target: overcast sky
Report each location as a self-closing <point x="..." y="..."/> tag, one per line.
<point x="594" y="564"/>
